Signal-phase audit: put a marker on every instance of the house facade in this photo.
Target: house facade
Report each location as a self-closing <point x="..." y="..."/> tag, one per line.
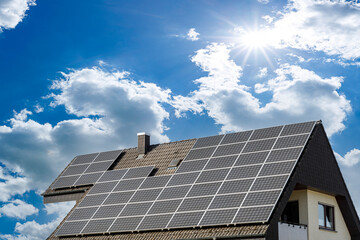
<point x="281" y="183"/>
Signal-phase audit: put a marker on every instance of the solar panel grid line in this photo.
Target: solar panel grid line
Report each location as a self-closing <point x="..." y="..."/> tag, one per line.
<point x="163" y="190"/>
<point x="236" y="137"/>
<point x="102" y="203"/>
<point x="190" y="160"/>
<point x="255" y="177"/>
<point x="109" y="155"/>
<point x="193" y="183"/>
<point x="222" y="183"/>
<point x="91" y="162"/>
<point x="309" y="134"/>
<point x="124" y="205"/>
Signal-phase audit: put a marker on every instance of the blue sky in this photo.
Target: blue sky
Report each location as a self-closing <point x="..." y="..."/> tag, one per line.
<point x="86" y="76"/>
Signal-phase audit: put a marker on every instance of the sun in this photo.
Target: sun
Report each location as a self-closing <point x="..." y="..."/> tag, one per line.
<point x="255" y="41"/>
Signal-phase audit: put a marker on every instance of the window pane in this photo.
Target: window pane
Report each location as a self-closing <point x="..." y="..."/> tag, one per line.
<point x="329" y="217"/>
<point x="321" y="215"/>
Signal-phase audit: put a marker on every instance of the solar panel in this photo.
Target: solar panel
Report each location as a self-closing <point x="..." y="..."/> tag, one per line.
<point x="125" y="224"/>
<point x="82" y="213"/>
<point x="112" y="175"/>
<point x="192" y="166"/>
<point x="183" y="179"/>
<point x="146" y="195"/>
<point x="217" y="217"/>
<point x="259" y="145"/>
<point x="277" y="168"/>
<point x="82" y="165"/>
<point x="103" y="187"/>
<point x="110" y="211"/>
<point x="213" y="175"/>
<point x="291" y="141"/>
<point x="236" y="186"/>
<point x="98" y="226"/>
<point x="266" y="183"/>
<point x="244" y="172"/>
<point x="71" y="228"/>
<point x="236" y="137"/>
<point x="99" y="167"/>
<point x="93" y="200"/>
<point x="261" y="198"/>
<point x="188" y="219"/>
<point x="235" y="178"/>
<point x="155" y="182"/>
<point x="251" y="158"/>
<point x="227" y="201"/>
<point x="138" y="172"/>
<point x="221" y="162"/>
<point x="75" y="170"/>
<point x="208" y="141"/>
<point x="135" y="209"/>
<point x="165" y="206"/>
<point x="253" y="214"/>
<point x="89" y="178"/>
<point x="298" y="128"/>
<point x="266" y="133"/>
<point x="174" y="192"/>
<point x="87" y="158"/>
<point x="194" y="204"/>
<point x="284" y="154"/>
<point x="111" y="155"/>
<point x="229" y="149"/>
<point x="200" y="153"/>
<point x="204" y="189"/>
<point x="157" y="221"/>
<point x="131" y="184"/>
<point x="119" y="197"/>
<point x="65" y="182"/>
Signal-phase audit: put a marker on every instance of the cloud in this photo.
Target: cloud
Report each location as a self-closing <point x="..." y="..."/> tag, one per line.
<point x="350" y="158"/>
<point x="263" y="1"/>
<point x="12" y="12"/>
<point x="106" y="110"/>
<point x="18" y="209"/>
<point x="193" y="35"/>
<point x="12" y="185"/>
<point x="297" y="95"/>
<point x="330" y="26"/>
<point x="262" y="72"/>
<point x="33" y="230"/>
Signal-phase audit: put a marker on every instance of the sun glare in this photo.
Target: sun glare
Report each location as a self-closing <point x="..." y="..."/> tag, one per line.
<point x="255" y="39"/>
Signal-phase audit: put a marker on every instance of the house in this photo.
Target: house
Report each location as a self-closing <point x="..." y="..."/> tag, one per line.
<point x="280" y="182"/>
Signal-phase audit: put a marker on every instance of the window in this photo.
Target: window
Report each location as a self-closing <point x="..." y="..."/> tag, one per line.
<point x="291" y="213"/>
<point x="326" y="217"/>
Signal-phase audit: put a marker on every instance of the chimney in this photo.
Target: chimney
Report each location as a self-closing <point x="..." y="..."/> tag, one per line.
<point x="143" y="143"/>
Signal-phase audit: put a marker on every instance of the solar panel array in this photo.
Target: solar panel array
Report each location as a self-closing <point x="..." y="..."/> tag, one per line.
<point x="227" y="179"/>
<point x="86" y="169"/>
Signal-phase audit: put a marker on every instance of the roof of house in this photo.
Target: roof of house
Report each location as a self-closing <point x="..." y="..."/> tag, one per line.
<point x="227" y="185"/>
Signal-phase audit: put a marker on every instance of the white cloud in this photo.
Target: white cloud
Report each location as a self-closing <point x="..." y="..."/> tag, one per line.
<point x="262" y="72"/>
<point x="33" y="230"/>
<point x="11" y="185"/>
<point x="12" y="12"/>
<point x="331" y="26"/>
<point x="18" y="209"/>
<point x="268" y="19"/>
<point x="193" y="35"/>
<point x="297" y="95"/>
<point x="263" y="1"/>
<point x="300" y="58"/>
<point x="109" y="108"/>
<point x="350" y="159"/>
